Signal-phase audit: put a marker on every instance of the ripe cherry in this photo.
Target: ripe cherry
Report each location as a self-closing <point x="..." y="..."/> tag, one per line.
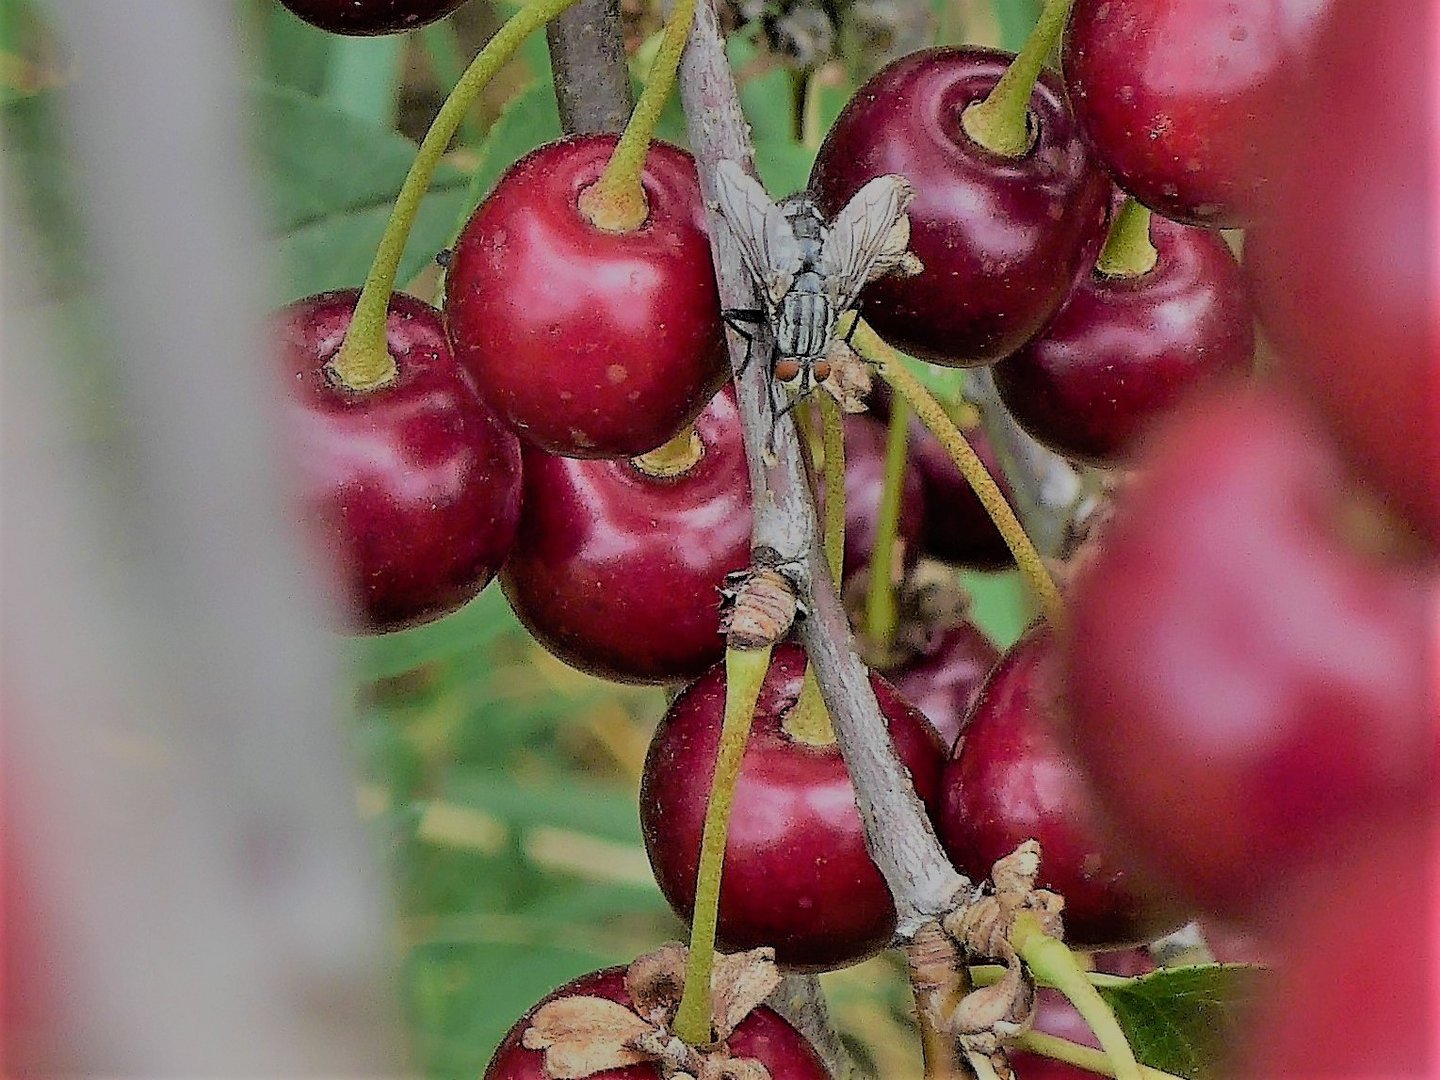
<point x="1002" y="239"/>
<point x="1244" y="685"/>
<point x="1009" y="780"/>
<point x="1344" y="273"/>
<point x="365" y="17"/>
<point x="589" y="343"/>
<point x="763" y="1035"/>
<point x="617" y="566"/>
<point x="415" y="486"/>
<point x="1179" y="97"/>
<point x="1127" y="347"/>
<point x="797" y="873"/>
<point x="944" y="678"/>
<point x="865" y="453"/>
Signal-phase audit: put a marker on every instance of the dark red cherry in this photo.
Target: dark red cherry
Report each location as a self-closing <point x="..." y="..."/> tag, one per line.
<point x="617" y="571"/>
<point x="945" y="678"/>
<point x="1244" y="684"/>
<point x="1365" y="927"/>
<point x="364" y="17"/>
<point x="1124" y="350"/>
<point x="1345" y="272"/>
<point x="1009" y="780"/>
<point x="1180" y="97"/>
<point x="1002" y="239"/>
<point x="588" y="343"/>
<point x="865" y="453"/>
<point x="797" y="874"/>
<point x="415" y="486"/>
<point x="763" y="1036"/>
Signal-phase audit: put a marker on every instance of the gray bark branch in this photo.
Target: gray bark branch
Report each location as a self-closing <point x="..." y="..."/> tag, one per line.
<point x="898" y="831"/>
<point x="587" y="58"/>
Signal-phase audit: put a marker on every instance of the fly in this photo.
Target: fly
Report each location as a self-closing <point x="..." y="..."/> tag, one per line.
<point x="810" y="271"/>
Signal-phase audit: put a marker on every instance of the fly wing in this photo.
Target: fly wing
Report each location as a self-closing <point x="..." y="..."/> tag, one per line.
<point x="766" y="239"/>
<point x="867" y="238"/>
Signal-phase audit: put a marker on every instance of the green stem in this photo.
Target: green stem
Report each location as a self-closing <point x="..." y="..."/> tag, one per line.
<point x="881" y="614"/>
<point x="833" y="429"/>
<point x="616" y="202"/>
<point x="1051" y="961"/>
<point x="1128" y="251"/>
<point x="364" y="361"/>
<point x="442" y="47"/>
<point x="933" y="415"/>
<point x="744" y="675"/>
<point x="1084" y="1057"/>
<point x="1001" y="123"/>
<point x="990" y="974"/>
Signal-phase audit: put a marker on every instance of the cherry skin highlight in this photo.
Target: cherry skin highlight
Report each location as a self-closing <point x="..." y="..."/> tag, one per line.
<point x="1344" y="272"/>
<point x="1002" y="239"/>
<point x="1180" y="97"/>
<point x="367" y="17"/>
<point x="588" y="343"/>
<point x="797" y="874"/>
<point x="945" y="678"/>
<point x="1244" y="685"/>
<point x="763" y="1035"/>
<point x="1009" y="780"/>
<point x="414" y="487"/>
<point x="617" y="572"/>
<point x="1124" y="350"/>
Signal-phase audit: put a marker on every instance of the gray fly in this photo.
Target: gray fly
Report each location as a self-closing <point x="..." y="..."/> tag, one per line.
<point x="810" y="271"/>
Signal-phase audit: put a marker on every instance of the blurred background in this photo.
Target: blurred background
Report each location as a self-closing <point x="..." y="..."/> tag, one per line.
<point x="233" y="841"/>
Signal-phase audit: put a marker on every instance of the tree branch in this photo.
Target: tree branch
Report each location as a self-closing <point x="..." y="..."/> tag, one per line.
<point x="1049" y="494"/>
<point x="587" y="58"/>
<point x="898" y="831"/>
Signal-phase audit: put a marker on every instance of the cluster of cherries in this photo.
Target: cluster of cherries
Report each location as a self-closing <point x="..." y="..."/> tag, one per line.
<point x="1242" y="688"/>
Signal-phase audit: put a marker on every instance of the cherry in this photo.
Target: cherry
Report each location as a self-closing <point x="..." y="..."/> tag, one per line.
<point x="1243" y="683"/>
<point x="763" y="1035"/>
<point x="589" y="343"/>
<point x="1009" y="780"/>
<point x="364" y="17"/>
<point x="1179" y="97"/>
<point x="1362" y="929"/>
<point x="1344" y="273"/>
<point x="416" y="485"/>
<point x="797" y="873"/>
<point x="865" y="453"/>
<point x="1126" y="348"/>
<point x="1002" y="239"/>
<point x="617" y="571"/>
<point x="944" y="679"/>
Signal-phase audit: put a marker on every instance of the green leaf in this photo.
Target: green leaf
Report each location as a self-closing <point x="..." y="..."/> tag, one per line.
<point x="1183" y="1020"/>
<point x="363" y="77"/>
<point x="1016" y="19"/>
<point x="528" y="120"/>
<point x="292" y="52"/>
<point x="331" y="181"/>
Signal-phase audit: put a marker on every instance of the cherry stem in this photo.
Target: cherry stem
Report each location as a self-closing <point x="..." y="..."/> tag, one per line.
<point x="809" y="721"/>
<point x="674" y="458"/>
<point x="1001" y="123"/>
<point x="881" y="613"/>
<point x="1128" y="252"/>
<point x="616" y="202"/>
<point x="1084" y="1057"/>
<point x="364" y="361"/>
<point x="932" y="414"/>
<point x="744" y="675"/>
<point x="1051" y="961"/>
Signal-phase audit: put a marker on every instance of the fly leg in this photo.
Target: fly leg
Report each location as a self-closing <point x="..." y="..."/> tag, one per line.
<point x="738" y="319"/>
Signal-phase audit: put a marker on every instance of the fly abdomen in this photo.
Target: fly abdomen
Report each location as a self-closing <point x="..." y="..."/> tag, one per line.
<point x="803" y="329"/>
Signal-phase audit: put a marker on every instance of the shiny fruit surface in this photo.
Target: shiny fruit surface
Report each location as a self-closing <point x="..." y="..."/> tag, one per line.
<point x="415" y="486"/>
<point x="366" y="17"/>
<point x="588" y="343"/>
<point x="1002" y="239"/>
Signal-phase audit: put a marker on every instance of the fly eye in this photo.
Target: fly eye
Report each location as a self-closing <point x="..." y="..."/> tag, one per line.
<point x="787" y="371"/>
<point x="822" y="370"/>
